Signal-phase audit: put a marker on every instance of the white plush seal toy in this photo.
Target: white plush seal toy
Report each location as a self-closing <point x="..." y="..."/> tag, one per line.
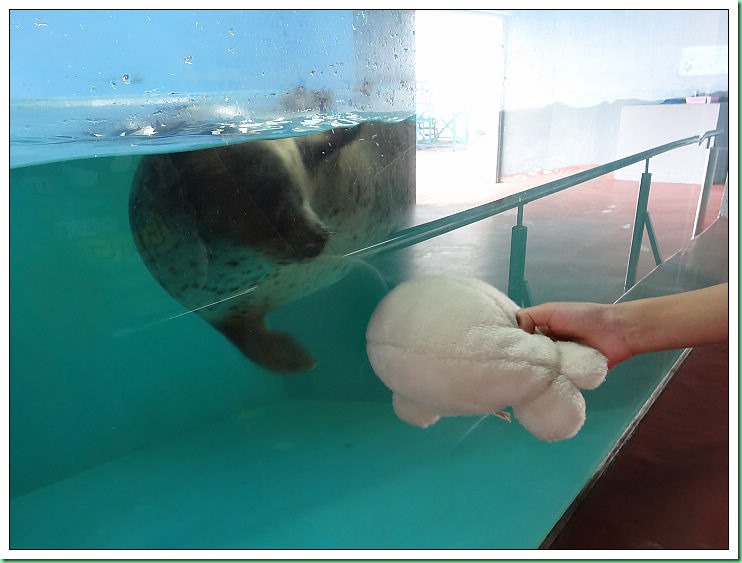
<point x="450" y="346"/>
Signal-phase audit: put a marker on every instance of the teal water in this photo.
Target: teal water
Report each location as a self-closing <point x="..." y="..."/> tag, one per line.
<point x="55" y="130"/>
<point x="134" y="424"/>
<point x="91" y="326"/>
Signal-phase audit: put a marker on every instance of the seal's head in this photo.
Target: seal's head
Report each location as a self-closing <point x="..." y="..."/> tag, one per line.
<point x="234" y="231"/>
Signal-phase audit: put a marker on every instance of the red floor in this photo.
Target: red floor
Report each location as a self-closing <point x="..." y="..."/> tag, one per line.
<point x="669" y="486"/>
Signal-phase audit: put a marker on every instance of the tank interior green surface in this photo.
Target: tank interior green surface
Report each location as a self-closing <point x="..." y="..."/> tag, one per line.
<point x="159" y="434"/>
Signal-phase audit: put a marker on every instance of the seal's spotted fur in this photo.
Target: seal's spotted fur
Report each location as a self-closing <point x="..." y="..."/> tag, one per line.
<point x="234" y="231"/>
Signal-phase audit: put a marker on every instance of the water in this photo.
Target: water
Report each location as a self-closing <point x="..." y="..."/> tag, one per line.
<point x="126" y="404"/>
<point x="135" y="424"/>
<point x="67" y="128"/>
<point x="92" y="326"/>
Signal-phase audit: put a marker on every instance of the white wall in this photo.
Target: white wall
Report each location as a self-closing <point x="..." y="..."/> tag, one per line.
<point x="644" y="127"/>
<point x="570" y="73"/>
<point x="585" y="57"/>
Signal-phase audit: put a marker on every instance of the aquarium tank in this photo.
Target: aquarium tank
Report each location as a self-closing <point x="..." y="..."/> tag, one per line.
<point x="206" y="207"/>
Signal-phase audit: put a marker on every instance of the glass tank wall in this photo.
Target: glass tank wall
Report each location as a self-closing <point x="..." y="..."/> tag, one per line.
<point x="207" y="206"/>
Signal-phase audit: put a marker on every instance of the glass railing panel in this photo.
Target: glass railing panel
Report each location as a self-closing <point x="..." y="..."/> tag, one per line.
<point x="136" y="424"/>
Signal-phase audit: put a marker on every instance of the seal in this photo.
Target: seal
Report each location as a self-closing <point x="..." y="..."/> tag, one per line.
<point x="235" y="231"/>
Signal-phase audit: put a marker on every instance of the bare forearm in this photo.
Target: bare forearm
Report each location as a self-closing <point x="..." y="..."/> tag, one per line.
<point x="687" y="319"/>
<point x="626" y="329"/>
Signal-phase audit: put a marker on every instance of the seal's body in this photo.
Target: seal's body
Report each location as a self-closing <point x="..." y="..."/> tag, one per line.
<point x="235" y="231"/>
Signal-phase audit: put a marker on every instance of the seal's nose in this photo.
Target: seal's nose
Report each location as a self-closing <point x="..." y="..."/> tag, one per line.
<point x="313" y="244"/>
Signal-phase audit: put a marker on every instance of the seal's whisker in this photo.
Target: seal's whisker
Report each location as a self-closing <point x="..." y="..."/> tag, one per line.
<point x="126" y="331"/>
<point x="212" y="303"/>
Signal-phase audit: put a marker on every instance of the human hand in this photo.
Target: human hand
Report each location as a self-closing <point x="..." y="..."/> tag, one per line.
<point x="623" y="330"/>
<point x="591" y="324"/>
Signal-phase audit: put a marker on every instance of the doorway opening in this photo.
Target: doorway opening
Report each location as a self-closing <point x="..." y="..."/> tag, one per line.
<point x="460" y="77"/>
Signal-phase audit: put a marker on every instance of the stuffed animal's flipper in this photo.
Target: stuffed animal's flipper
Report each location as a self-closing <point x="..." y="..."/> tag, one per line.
<point x="556" y="414"/>
<point x="585" y="366"/>
<point x="411" y="413"/>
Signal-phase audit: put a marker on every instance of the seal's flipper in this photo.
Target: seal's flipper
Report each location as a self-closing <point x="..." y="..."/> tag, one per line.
<point x="276" y="351"/>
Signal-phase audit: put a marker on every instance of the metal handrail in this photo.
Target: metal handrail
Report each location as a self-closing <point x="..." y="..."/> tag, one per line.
<point x="708" y="135"/>
<point x="419" y="233"/>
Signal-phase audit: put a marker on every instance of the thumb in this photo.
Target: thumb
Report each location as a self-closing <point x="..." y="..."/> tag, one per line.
<point x="525" y="321"/>
<point x="537" y="317"/>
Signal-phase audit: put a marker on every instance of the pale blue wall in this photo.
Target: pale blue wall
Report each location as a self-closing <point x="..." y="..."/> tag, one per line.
<point x="81" y="52"/>
<point x="81" y="73"/>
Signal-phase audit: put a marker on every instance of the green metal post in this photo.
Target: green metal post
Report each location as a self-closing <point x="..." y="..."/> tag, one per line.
<point x="518" y="289"/>
<point x="639" y="223"/>
<point x="652" y="239"/>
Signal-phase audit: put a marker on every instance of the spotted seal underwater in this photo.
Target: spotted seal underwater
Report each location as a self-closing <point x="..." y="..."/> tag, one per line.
<point x="234" y="231"/>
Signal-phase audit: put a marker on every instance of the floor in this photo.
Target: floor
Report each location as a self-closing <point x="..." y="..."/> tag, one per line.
<point x="587" y="228"/>
<point x="669" y="486"/>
